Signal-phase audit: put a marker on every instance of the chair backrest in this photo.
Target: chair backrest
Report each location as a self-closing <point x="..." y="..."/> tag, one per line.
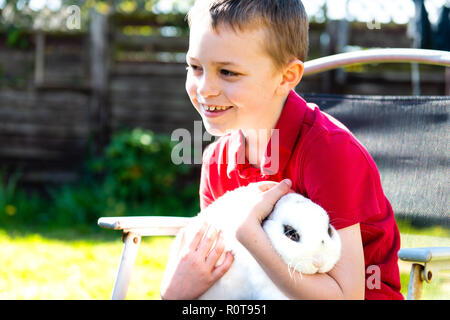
<point x="408" y="138"/>
<point x="406" y="135"/>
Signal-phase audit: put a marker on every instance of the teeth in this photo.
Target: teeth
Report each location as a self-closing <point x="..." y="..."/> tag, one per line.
<point x="213" y="108"/>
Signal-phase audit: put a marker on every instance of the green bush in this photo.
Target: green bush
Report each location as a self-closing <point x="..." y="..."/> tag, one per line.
<point x="137" y="167"/>
<point x="18" y="206"/>
<point x="80" y="204"/>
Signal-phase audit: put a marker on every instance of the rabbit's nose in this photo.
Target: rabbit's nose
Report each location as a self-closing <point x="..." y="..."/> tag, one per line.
<point x="318" y="261"/>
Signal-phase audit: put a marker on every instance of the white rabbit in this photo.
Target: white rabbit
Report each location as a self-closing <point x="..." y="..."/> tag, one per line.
<point x="298" y="229"/>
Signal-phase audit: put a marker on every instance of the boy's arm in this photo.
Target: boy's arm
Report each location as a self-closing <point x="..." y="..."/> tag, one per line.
<point x="345" y="281"/>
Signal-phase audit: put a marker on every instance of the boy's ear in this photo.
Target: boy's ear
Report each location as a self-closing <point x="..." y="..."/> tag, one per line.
<point x="291" y="76"/>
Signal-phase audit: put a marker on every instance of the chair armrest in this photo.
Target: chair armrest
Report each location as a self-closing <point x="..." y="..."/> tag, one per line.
<point x="424" y="255"/>
<point x="145" y="226"/>
<point x="432" y="259"/>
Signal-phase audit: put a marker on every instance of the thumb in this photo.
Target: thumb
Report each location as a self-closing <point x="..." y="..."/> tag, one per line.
<point x="275" y="193"/>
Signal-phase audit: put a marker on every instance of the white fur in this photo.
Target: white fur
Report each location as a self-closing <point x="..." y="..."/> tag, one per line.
<point x="246" y="279"/>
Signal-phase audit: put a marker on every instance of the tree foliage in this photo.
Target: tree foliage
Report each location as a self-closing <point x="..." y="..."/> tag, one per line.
<point x="23" y="14"/>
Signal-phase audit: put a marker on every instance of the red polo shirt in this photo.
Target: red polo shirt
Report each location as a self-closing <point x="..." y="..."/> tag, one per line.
<point x="327" y="164"/>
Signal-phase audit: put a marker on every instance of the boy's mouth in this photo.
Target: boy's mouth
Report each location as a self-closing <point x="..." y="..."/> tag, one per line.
<point x="215" y="108"/>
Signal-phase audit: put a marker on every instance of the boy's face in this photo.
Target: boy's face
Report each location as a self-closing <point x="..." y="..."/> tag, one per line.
<point x="231" y="73"/>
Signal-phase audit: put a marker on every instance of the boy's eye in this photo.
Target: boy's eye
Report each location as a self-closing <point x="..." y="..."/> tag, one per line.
<point x="193" y="67"/>
<point x="228" y="73"/>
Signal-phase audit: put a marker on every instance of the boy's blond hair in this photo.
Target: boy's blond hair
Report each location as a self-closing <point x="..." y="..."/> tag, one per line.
<point x="285" y="21"/>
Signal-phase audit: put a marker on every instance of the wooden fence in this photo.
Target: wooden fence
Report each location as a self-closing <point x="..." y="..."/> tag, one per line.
<point x="69" y="92"/>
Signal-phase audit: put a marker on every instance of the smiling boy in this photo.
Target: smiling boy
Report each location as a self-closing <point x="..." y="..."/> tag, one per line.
<point x="244" y="60"/>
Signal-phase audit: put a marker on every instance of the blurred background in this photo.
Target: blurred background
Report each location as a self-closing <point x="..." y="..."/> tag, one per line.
<point x="90" y="92"/>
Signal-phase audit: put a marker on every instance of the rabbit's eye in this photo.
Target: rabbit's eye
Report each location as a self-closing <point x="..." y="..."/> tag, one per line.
<point x="291" y="233"/>
<point x="330" y="231"/>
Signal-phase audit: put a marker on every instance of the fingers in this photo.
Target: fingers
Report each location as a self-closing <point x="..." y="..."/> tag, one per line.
<point x="221" y="269"/>
<point x="217" y="251"/>
<point x="212" y="247"/>
<point x="273" y="194"/>
<point x="198" y="237"/>
<point x="265" y="185"/>
<point x="208" y="241"/>
<point x="207" y="238"/>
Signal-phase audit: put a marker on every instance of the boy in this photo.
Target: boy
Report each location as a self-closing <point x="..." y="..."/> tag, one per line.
<point x="244" y="60"/>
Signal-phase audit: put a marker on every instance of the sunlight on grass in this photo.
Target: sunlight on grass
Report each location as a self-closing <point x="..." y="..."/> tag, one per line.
<point x="150" y="264"/>
<point x="34" y="266"/>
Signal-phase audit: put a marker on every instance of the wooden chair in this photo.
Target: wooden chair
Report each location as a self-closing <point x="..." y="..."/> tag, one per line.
<point x="414" y="175"/>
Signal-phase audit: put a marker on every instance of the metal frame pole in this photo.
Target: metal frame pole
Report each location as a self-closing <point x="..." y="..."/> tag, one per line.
<point x="415" y="282"/>
<point x="129" y="253"/>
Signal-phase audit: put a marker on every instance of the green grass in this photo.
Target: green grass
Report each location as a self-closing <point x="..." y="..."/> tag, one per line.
<point x="38" y="267"/>
<point x="77" y="264"/>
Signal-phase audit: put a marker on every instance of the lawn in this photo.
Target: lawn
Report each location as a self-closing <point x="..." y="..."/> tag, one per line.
<point x="72" y="265"/>
<point x="53" y="267"/>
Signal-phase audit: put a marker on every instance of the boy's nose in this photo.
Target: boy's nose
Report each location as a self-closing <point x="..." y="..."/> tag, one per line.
<point x="207" y="88"/>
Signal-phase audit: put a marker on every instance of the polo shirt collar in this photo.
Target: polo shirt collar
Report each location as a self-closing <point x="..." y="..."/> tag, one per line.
<point x="287" y="129"/>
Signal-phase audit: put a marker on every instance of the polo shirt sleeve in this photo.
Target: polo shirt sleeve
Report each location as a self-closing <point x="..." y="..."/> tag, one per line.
<point x="340" y="176"/>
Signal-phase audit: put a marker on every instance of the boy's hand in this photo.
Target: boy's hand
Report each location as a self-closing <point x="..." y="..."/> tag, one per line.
<point x="270" y="193"/>
<point x="194" y="265"/>
<point x="194" y="268"/>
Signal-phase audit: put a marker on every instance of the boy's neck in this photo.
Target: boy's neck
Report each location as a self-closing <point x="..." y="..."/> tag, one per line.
<point x="256" y="146"/>
<point x="256" y="140"/>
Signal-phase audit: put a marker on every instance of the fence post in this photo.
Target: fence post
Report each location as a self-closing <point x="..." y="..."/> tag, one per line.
<point x="39" y="62"/>
<point x="333" y="41"/>
<point x="99" y="113"/>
